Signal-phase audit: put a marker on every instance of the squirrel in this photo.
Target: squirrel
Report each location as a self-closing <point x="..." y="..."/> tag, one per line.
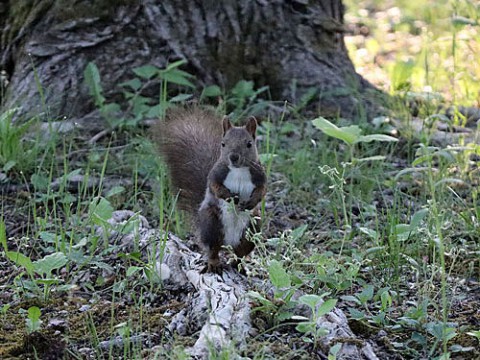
<point x="215" y="170"/>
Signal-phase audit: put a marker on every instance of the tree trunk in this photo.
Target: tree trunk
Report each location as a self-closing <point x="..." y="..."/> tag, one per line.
<point x="289" y="45"/>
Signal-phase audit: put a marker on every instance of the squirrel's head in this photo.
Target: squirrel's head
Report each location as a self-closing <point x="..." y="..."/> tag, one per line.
<point x="238" y="143"/>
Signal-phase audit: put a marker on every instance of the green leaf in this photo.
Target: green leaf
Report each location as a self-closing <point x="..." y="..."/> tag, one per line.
<point x="386" y="300"/>
<point x="376" y="137"/>
<point x="48" y="237"/>
<point x="33" y="321"/>
<point x="111" y="109"/>
<point x="401" y="74"/>
<point x="421" y="159"/>
<point x="402" y="229"/>
<point x="116" y="190"/>
<point x="356" y="314"/>
<point x="451" y="181"/>
<point x="419" y="338"/>
<point x="9" y="165"/>
<point x="375" y="249"/>
<point x="49" y="263"/>
<point x="475" y="333"/>
<point x="211" y="91"/>
<point x="322" y="332"/>
<point x="243" y="89"/>
<point x="180" y="98"/>
<point x="146" y="71"/>
<point x="120" y="286"/>
<point x="92" y="79"/>
<point x="307" y="97"/>
<point x="332" y="353"/>
<point x="348" y="134"/>
<point x="282" y="316"/>
<point x="278" y="275"/>
<point x="326" y="307"/>
<point x="458" y="20"/>
<point x="40" y="182"/>
<point x="132" y="270"/>
<point x="177" y="77"/>
<point x="156" y="111"/>
<point x="371" y="158"/>
<point x="297" y="233"/>
<point x="369" y="232"/>
<point x="176" y="64"/>
<point x="72" y="174"/>
<point x="21" y="260"/>
<point x="306" y="327"/>
<point x="441" y="331"/>
<point x="267" y="157"/>
<point x="366" y="294"/>
<point x="100" y="210"/>
<point x="134" y="84"/>
<point x="310" y="300"/>
<point x="350" y="298"/>
<point x="4" y="308"/>
<point x="410" y="171"/>
<point x="34" y="313"/>
<point x="47" y="281"/>
<point x="256" y="296"/>
<point x="3" y="235"/>
<point x="418" y="217"/>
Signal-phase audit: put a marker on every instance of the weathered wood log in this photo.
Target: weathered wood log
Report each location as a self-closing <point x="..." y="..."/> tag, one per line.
<point x="289" y="45"/>
<point x="218" y="305"/>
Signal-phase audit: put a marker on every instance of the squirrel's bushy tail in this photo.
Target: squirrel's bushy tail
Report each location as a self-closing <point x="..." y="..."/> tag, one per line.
<point x="189" y="140"/>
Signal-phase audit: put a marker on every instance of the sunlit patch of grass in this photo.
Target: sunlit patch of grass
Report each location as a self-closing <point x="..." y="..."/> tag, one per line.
<point x="432" y="46"/>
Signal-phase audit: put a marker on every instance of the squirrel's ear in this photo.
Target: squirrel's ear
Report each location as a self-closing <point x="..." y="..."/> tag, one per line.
<point x="251" y="126"/>
<point x="227" y="125"/>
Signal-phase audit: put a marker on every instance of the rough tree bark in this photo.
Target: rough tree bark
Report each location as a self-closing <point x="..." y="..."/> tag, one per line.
<point x="289" y="45"/>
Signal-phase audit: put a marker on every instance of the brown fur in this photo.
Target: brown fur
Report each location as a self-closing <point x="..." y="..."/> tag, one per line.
<point x="199" y="149"/>
<point x="189" y="141"/>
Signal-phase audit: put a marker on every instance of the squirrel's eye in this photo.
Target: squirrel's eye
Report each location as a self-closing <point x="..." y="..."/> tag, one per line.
<point x="223" y="144"/>
<point x="249" y="144"/>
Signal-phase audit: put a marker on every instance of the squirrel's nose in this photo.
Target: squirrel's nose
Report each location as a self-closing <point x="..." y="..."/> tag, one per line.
<point x="234" y="158"/>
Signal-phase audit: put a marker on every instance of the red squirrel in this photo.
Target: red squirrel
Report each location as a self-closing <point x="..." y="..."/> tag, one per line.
<point x="214" y="167"/>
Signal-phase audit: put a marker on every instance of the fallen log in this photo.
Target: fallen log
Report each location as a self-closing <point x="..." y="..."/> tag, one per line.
<point x="218" y="306"/>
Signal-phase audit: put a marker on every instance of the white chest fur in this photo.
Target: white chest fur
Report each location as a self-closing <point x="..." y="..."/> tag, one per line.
<point x="239" y="181"/>
<point x="234" y="221"/>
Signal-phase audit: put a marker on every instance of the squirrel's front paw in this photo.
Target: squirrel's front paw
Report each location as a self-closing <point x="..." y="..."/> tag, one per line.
<point x="246" y="205"/>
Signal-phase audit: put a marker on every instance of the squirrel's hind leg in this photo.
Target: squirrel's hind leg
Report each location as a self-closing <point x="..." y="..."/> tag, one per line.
<point x="211" y="237"/>
<point x="246" y="246"/>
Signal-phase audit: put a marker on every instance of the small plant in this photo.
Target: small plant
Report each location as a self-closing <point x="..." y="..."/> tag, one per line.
<point x="139" y="106"/>
<point x="319" y="308"/>
<point x="351" y="135"/>
<point x="332" y="353"/>
<point x="474" y="333"/>
<point x="40" y="271"/>
<point x="4" y="309"/>
<point x="15" y="152"/>
<point x="243" y="98"/>
<point x="336" y="275"/>
<point x="381" y="301"/>
<point x="279" y="308"/>
<point x="33" y="321"/>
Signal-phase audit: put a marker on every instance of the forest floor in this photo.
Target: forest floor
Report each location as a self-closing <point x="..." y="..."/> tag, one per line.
<point x="389" y="230"/>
